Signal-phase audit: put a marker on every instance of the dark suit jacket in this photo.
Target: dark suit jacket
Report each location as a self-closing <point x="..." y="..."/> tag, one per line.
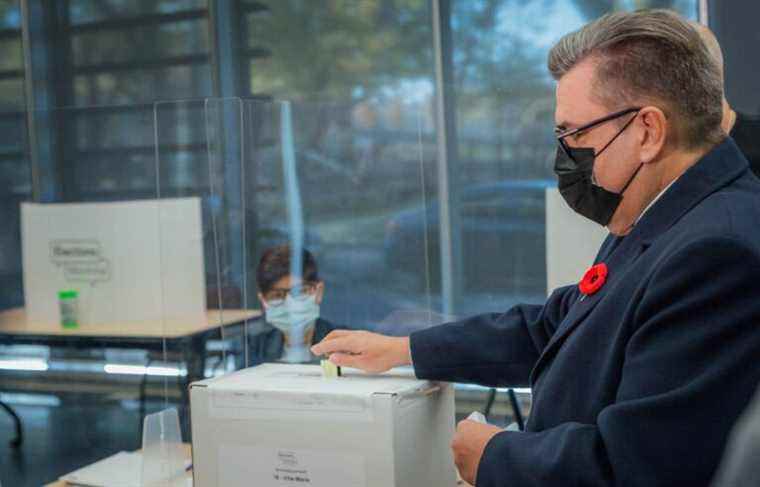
<point x="638" y="384"/>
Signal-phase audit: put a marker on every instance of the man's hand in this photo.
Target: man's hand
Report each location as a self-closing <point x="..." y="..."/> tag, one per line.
<point x="468" y="445"/>
<point x="363" y="350"/>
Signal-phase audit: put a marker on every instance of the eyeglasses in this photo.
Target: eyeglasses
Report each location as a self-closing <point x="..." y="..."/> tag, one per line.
<point x="276" y="297"/>
<point x="562" y="134"/>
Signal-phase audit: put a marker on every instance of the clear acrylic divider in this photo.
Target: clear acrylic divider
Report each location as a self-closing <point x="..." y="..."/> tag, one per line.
<point x="91" y="330"/>
<point x="227" y="149"/>
<point x="201" y="182"/>
<point x="348" y="182"/>
<point x="351" y="183"/>
<point x="163" y="454"/>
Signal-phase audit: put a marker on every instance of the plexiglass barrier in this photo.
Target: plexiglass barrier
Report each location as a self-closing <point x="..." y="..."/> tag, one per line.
<point x="161" y="229"/>
<point x="163" y="456"/>
<point x="84" y="353"/>
<point x="330" y="199"/>
<point x="313" y="217"/>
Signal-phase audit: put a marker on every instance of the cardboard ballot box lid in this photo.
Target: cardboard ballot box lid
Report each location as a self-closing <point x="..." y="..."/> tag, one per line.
<point x="291" y="380"/>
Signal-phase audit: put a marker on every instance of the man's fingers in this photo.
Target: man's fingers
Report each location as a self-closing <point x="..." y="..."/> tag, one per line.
<point x="334" y="342"/>
<point x="337" y="334"/>
<point x="346" y="360"/>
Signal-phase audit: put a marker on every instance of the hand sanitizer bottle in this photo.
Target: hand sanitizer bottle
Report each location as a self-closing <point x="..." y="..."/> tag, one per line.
<point x="68" y="301"/>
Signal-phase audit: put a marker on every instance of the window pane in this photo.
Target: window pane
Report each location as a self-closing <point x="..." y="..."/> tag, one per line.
<point x="82" y="11"/>
<point x="11" y="54"/>
<point x="148" y="43"/>
<point x="366" y="70"/>
<point x="10" y="14"/>
<point x="11" y="94"/>
<point x="142" y="86"/>
<point x="15" y="174"/>
<point x="342" y="50"/>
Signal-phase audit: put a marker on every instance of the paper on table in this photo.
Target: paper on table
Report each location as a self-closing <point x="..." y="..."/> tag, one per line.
<point x="478" y="417"/>
<point x="120" y="470"/>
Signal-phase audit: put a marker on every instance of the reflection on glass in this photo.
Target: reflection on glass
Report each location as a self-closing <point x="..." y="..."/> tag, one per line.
<point x="358" y="165"/>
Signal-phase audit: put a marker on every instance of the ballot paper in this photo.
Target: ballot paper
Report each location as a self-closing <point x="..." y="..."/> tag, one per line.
<point x="123" y="469"/>
<point x="329" y="369"/>
<point x="478" y="417"/>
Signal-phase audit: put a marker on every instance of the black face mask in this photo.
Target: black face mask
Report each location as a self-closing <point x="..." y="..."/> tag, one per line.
<point x="575" y="169"/>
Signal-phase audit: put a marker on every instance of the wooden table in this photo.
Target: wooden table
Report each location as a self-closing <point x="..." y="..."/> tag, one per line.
<point x="15" y="324"/>
<point x="188" y="475"/>
<point x="187" y="336"/>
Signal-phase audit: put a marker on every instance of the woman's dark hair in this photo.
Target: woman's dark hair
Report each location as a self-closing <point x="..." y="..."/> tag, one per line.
<point x="275" y="264"/>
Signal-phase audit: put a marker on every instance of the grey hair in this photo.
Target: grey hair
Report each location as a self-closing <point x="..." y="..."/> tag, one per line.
<point x="650" y="57"/>
<point x="711" y="43"/>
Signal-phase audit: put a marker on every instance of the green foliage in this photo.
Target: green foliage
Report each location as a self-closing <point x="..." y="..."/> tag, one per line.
<point x="340" y="49"/>
<point x="592" y="9"/>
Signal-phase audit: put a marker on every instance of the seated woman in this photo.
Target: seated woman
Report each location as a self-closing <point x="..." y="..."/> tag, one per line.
<point x="291" y="322"/>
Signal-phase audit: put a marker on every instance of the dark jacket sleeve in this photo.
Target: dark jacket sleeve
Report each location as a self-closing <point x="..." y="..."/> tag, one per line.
<point x="490" y="349"/>
<point x="691" y="365"/>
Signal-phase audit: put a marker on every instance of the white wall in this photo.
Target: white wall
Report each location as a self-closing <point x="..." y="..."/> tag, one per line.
<point x="572" y="242"/>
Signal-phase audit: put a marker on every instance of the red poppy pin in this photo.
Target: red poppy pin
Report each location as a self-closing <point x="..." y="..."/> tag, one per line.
<point x="593" y="279"/>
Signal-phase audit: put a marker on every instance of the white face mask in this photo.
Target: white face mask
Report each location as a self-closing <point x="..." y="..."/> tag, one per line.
<point x="294" y="316"/>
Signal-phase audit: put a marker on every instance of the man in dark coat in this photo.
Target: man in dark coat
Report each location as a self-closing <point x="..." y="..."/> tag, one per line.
<point x="638" y="372"/>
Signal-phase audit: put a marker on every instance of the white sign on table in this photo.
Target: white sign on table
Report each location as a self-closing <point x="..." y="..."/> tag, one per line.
<point x="129" y="261"/>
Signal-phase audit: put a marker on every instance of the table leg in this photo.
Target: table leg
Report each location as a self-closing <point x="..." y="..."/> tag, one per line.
<point x="19" y="439"/>
<point x="195" y="361"/>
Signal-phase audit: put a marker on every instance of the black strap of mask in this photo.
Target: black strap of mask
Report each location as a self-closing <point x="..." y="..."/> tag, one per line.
<point x="629" y="122"/>
<point x="631" y="179"/>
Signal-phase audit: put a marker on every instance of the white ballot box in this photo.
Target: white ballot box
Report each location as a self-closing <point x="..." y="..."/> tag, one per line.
<point x="284" y="425"/>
